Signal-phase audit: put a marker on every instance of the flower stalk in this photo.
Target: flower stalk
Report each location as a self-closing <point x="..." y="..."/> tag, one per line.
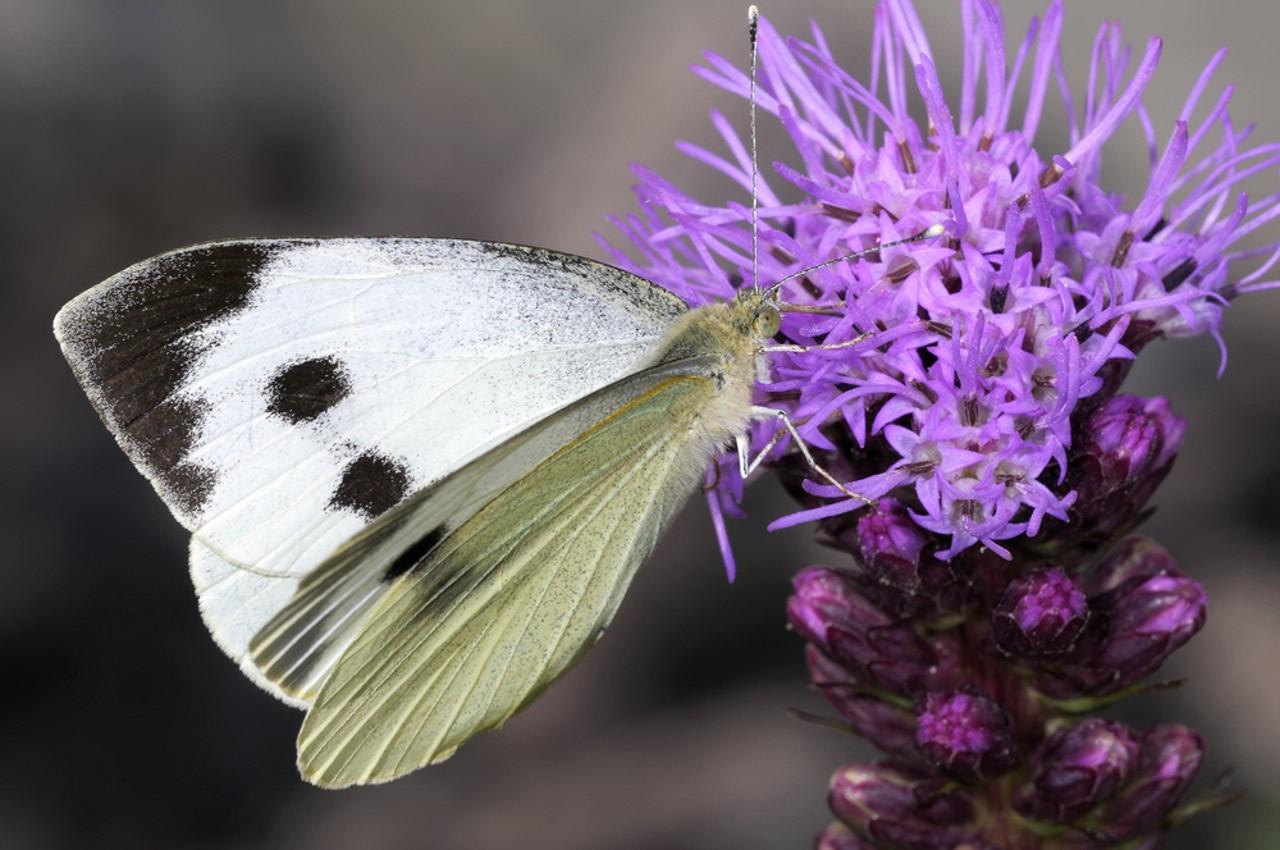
<point x="997" y="592"/>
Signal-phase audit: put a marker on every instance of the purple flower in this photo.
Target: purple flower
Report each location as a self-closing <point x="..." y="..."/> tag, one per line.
<point x="1077" y="769"/>
<point x="980" y="346"/>
<point x="966" y="733"/>
<point x="824" y="598"/>
<point x="965" y="383"/>
<point x="1041" y="613"/>
<point x="1148" y="620"/>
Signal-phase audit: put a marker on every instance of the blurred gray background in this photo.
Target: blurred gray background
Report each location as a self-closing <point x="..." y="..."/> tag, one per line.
<point x="131" y="128"/>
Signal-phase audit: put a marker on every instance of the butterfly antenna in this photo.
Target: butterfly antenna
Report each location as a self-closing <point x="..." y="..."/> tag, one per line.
<point x="753" y="32"/>
<point x="927" y="233"/>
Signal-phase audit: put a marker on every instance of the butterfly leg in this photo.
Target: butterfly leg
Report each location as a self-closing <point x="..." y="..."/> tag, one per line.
<point x="746" y="465"/>
<point x="788" y="427"/>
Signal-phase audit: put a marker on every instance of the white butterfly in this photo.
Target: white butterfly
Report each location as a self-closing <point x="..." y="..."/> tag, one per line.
<point x="419" y="474"/>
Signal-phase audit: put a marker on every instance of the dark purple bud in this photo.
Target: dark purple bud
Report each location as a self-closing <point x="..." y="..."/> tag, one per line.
<point x="839" y="837"/>
<point x="966" y="734"/>
<point x="1149" y="619"/>
<point x="1147" y="611"/>
<point x="889" y="727"/>
<point x="1041" y="613"/>
<point x="1135" y="558"/>
<point x="1168" y="759"/>
<point x="1126" y="447"/>
<point x="1132" y="437"/>
<point x="1078" y="768"/>
<point x="828" y="609"/>
<point x="889" y="807"/>
<point x="898" y="659"/>
<point x="887" y="534"/>
<point x="823" y="598"/>
<point x="899" y="572"/>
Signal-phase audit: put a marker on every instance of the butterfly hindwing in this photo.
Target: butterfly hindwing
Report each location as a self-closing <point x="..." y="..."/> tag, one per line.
<point x="505" y="603"/>
<point x="297" y="647"/>
<point x="235" y="604"/>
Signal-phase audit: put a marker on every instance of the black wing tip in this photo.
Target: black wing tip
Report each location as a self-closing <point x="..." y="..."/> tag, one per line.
<point x="132" y="340"/>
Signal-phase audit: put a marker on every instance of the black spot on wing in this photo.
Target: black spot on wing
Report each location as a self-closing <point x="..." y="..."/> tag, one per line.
<point x="302" y="391"/>
<point x="414" y="555"/>
<point x="371" y="485"/>
<point x="134" y="343"/>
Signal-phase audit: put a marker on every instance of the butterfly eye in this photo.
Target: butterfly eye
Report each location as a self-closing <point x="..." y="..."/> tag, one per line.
<point x="766" y="322"/>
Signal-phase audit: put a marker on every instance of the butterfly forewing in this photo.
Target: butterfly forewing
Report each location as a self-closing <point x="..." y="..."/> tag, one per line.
<point x="507" y="602"/>
<point x="282" y="393"/>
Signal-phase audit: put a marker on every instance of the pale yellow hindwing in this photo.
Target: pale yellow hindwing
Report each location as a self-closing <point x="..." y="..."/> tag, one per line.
<point x="509" y="600"/>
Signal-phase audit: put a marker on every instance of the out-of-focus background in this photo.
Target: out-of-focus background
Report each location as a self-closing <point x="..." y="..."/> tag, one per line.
<point x="127" y="129"/>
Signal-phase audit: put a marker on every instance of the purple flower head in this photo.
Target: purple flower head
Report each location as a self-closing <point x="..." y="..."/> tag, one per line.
<point x="1077" y="769"/>
<point x="979" y="346"/>
<point x="965" y="733"/>
<point x="1131" y="437"/>
<point x="1149" y="619"/>
<point x="1040" y="613"/>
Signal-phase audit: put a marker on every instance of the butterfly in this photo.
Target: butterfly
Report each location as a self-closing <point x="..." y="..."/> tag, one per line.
<point x="419" y="474"/>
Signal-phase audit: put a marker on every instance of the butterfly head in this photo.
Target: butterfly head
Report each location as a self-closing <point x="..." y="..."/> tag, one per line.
<point x="758" y="313"/>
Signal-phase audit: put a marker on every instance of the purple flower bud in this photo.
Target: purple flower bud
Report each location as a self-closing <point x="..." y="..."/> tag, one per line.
<point x="887" y="533"/>
<point x="1147" y="611"/>
<point x="1168" y="760"/>
<point x="1041" y="613"/>
<point x="899" y="571"/>
<point x="838" y="837"/>
<point x="1137" y="434"/>
<point x="823" y="598"/>
<point x="966" y="734"/>
<point x="1078" y="768"/>
<point x="1135" y="558"/>
<point x="828" y="609"/>
<point x="889" y="727"/>
<point x="1149" y="619"/>
<point x="887" y="806"/>
<point x="1126" y="447"/>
